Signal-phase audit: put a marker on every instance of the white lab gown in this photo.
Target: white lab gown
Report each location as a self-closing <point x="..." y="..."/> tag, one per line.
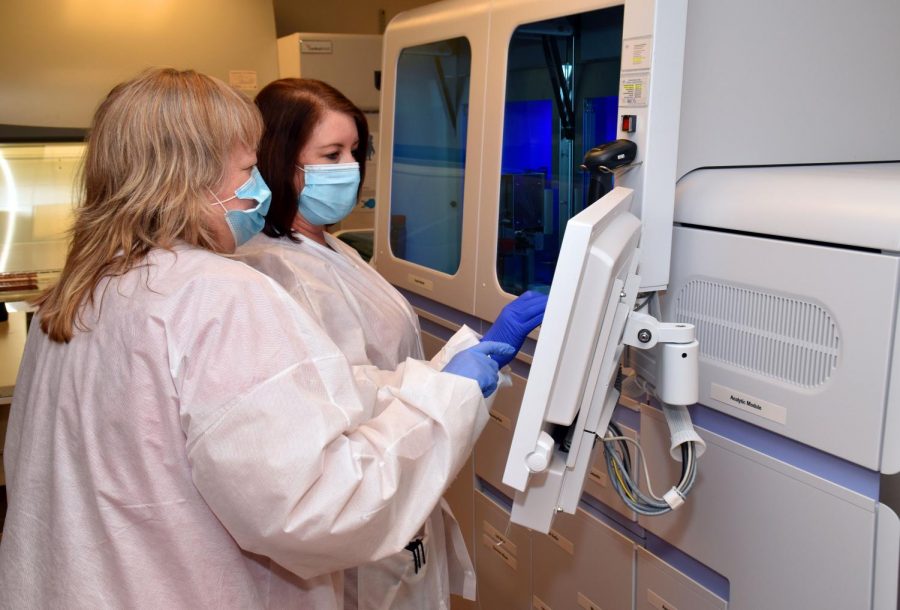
<point x="371" y="323"/>
<point x="206" y="445"/>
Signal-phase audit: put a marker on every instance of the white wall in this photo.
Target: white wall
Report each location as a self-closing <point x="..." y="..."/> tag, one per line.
<point x="59" y="58"/>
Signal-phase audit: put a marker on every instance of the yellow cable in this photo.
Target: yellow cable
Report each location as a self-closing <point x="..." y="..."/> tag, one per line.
<point x="622" y="485"/>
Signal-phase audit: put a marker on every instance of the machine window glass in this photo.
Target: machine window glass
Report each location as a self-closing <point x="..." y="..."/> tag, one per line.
<point x="429" y="153"/>
<point x="561" y="100"/>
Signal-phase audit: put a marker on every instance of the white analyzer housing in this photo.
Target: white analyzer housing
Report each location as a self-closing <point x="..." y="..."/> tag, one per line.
<point x="764" y="210"/>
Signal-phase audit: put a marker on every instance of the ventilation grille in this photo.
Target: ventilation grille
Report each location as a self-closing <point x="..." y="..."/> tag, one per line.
<point x="779" y="337"/>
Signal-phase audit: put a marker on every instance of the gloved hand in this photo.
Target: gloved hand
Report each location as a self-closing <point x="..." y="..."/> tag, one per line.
<point x="517" y="320"/>
<point x="479" y="363"/>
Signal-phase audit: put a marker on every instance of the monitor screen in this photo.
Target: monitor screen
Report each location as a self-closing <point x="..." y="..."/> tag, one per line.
<point x="570" y="393"/>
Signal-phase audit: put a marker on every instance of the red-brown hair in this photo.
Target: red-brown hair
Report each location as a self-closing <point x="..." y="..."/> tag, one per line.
<point x="291" y="108"/>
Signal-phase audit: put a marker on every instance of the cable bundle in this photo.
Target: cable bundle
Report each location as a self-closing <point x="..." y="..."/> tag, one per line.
<point x="619" y="465"/>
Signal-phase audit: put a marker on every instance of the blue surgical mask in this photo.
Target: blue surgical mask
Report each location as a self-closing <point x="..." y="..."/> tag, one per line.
<point x="329" y="192"/>
<point x="244" y="224"/>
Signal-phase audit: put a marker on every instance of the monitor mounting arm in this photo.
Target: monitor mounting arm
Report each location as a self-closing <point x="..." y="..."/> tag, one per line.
<point x="678" y="355"/>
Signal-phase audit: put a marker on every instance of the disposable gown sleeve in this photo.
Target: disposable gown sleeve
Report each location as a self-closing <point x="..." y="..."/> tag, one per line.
<point x="295" y="466"/>
<point x="464" y="338"/>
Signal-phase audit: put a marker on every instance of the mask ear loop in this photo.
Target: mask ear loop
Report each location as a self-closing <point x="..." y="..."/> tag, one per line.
<point x="220" y="203"/>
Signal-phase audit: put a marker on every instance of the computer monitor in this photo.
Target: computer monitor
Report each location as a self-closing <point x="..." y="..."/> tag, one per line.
<point x="570" y="394"/>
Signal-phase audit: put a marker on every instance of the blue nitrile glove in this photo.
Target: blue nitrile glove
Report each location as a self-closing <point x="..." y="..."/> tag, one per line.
<point x="479" y="362"/>
<point x="517" y="320"/>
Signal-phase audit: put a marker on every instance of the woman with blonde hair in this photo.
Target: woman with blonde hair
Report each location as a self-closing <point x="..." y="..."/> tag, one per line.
<point x="183" y="434"/>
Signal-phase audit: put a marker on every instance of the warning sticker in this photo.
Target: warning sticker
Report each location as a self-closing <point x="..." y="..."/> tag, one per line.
<point x="637" y="53"/>
<point x="634" y="90"/>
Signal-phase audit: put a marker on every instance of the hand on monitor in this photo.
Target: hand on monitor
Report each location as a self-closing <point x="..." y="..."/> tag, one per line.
<point x="517" y="320"/>
<point x="480" y="362"/>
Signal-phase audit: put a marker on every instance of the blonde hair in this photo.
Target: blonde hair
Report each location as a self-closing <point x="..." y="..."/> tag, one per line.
<point x="157" y="145"/>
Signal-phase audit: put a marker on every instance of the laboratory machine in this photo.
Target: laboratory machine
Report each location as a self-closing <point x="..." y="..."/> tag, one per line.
<point x="756" y="222"/>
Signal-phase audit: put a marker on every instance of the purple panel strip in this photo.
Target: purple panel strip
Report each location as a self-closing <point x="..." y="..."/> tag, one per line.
<point x="433" y="328"/>
<point x="613" y="518"/>
<point x="689" y="566"/>
<point x="493" y="493"/>
<point x="441" y="310"/>
<point x="829" y="467"/>
<point x="520" y="368"/>
<point x="627" y="417"/>
<point x="528" y="347"/>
